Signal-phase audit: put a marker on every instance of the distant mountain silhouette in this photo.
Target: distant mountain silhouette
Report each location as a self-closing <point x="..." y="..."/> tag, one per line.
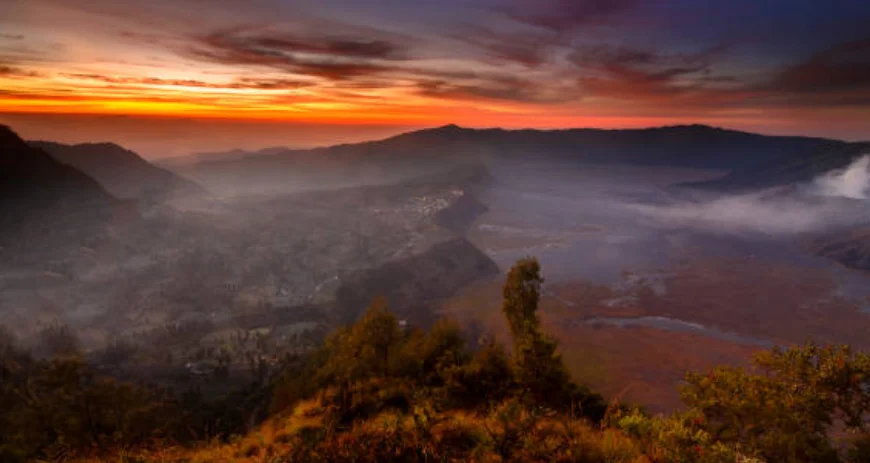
<point x="694" y="146"/>
<point x="697" y="146"/>
<point x="40" y="196"/>
<point x="122" y="172"/>
<point x="193" y="158"/>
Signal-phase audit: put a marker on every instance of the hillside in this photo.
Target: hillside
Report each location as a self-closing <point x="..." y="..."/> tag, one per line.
<point x="420" y="152"/>
<point x="41" y="197"/>
<point x="122" y="172"/>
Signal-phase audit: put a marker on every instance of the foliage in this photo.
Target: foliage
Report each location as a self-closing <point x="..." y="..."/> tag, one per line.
<point x="522" y="291"/>
<point x="62" y="409"/>
<point x="675" y="438"/>
<point x="786" y="410"/>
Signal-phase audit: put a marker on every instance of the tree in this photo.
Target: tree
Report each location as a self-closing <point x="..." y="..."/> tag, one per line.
<point x="443" y="349"/>
<point x="368" y="349"/>
<point x="785" y="409"/>
<point x="64" y="410"/>
<point x="377" y="336"/>
<point x="486" y="378"/>
<point x="539" y="367"/>
<point x="521" y="294"/>
<point x="365" y="349"/>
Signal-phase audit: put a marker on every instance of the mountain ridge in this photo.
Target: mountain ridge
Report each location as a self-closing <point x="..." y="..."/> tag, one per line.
<point x="455" y="131"/>
<point x="439" y="149"/>
<point x="122" y="172"/>
<point x="237" y="153"/>
<point x="34" y="186"/>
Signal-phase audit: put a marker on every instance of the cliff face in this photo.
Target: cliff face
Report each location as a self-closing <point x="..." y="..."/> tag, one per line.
<point x="411" y="285"/>
<point x="460" y="215"/>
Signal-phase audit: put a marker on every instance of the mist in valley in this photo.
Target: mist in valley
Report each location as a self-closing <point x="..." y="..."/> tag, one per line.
<point x="241" y="260"/>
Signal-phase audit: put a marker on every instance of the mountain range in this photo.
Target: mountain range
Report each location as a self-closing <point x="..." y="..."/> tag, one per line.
<point x="748" y="161"/>
<point x="409" y="154"/>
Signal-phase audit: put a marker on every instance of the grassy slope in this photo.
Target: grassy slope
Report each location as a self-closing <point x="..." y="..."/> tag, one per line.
<point x="280" y="438"/>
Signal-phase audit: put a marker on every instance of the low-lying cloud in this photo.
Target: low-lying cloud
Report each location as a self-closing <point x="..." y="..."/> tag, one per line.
<point x="834" y="200"/>
<point x="851" y="182"/>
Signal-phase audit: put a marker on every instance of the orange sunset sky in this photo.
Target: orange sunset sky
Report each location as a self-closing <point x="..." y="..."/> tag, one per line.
<point x="170" y="77"/>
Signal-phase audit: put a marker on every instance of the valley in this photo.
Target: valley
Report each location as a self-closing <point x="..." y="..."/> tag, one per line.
<point x="642" y="283"/>
<point x="176" y="286"/>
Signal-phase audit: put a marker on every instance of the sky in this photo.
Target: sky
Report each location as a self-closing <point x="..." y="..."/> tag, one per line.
<point x="167" y="77"/>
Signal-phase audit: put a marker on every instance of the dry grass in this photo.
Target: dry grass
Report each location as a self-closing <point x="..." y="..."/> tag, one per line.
<point x="469" y="436"/>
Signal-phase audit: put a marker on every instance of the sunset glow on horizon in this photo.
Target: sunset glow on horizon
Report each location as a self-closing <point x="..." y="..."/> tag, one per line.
<point x="479" y="63"/>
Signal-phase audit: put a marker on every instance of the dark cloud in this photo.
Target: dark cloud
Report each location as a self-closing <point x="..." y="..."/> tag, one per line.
<point x="329" y="57"/>
<point x="565" y="15"/>
<point x="527" y="49"/>
<point x="344" y="47"/>
<point x="11" y="37"/>
<point x="499" y="88"/>
<point x="838" y="76"/>
<point x="363" y="63"/>
<point x="9" y="70"/>
<point x="239" y="83"/>
<point x="630" y="73"/>
<point x="842" y="68"/>
<point x="268" y="84"/>
<point x="607" y="57"/>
